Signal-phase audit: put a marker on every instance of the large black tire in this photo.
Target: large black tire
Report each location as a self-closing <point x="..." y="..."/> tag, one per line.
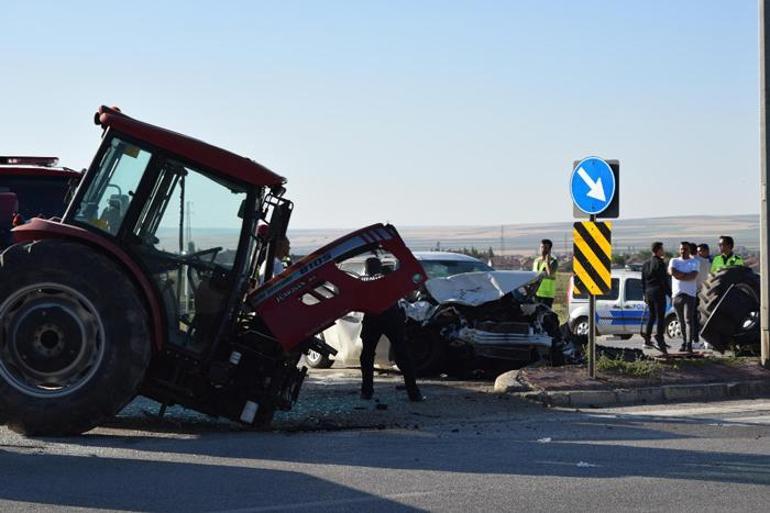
<point x="747" y="282"/>
<point x="74" y="338"/>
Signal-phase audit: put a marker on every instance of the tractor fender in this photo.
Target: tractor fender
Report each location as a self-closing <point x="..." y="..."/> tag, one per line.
<point x="39" y="229"/>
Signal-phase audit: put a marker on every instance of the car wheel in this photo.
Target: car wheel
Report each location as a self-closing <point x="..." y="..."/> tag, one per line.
<point x="316" y="360"/>
<point x="625" y="336"/>
<point x="580" y="327"/>
<point x="673" y="329"/>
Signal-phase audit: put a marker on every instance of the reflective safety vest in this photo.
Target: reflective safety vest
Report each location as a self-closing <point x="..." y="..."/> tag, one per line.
<point x="720" y="262"/>
<point x="547" y="286"/>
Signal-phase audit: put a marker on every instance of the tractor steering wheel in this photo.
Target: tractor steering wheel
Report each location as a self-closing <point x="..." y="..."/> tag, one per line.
<point x="198" y="254"/>
<point x="193" y="259"/>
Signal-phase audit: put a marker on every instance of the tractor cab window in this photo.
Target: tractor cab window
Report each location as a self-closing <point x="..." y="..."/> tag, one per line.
<point x="187" y="234"/>
<point x="109" y="194"/>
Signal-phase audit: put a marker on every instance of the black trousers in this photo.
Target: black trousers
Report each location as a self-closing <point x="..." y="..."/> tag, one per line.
<point x="391" y="324"/>
<point x="656" y="304"/>
<point x="685" y="312"/>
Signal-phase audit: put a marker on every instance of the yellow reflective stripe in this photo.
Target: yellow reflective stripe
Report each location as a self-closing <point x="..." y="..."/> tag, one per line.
<point x="585" y="278"/>
<point x="603" y="243"/>
<point x="600" y="269"/>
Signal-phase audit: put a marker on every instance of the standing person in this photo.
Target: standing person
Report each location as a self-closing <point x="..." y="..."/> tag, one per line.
<point x="684" y="272"/>
<point x="726" y="257"/>
<point x="704" y="268"/>
<point x="391" y="324"/>
<point x="705" y="252"/>
<point x="282" y="248"/>
<point x="547" y="265"/>
<point x="656" y="287"/>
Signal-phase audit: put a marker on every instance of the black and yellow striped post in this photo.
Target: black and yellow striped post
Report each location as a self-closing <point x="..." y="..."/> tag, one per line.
<point x="592" y="257"/>
<point x="591" y="267"/>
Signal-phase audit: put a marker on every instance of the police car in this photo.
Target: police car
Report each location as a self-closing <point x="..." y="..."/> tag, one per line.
<point x="621" y="312"/>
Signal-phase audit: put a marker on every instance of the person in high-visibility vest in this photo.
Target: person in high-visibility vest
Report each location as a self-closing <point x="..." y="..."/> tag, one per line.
<point x="726" y="258"/>
<point x="546" y="264"/>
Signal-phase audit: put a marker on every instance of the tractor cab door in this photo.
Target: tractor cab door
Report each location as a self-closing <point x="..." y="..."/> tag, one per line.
<point x="188" y="236"/>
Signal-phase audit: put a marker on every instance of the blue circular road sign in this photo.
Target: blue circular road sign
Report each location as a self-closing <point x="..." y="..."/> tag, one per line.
<point x="592" y="185"/>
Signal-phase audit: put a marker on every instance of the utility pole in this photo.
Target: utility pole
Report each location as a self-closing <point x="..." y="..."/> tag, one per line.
<point x="764" y="242"/>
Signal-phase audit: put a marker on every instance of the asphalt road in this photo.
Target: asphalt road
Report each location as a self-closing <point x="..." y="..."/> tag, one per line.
<point x="463" y="450"/>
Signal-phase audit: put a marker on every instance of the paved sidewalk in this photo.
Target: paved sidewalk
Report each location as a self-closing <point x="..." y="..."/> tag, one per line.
<point x="703" y="379"/>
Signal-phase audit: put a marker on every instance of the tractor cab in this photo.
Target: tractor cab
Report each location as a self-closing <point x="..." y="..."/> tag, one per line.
<point x="187" y="228"/>
<point x="191" y="228"/>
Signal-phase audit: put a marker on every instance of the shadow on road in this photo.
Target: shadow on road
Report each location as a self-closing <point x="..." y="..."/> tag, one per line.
<point x="168" y="486"/>
<point x="511" y="438"/>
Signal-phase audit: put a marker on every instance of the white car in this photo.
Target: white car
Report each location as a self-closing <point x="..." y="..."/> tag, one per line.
<point x="621" y="312"/>
<point x="467" y="310"/>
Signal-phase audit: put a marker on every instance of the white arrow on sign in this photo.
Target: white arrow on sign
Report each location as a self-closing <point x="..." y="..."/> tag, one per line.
<point x="595" y="189"/>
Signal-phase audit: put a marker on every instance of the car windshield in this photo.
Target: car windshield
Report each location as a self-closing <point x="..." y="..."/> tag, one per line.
<point x="37" y="196"/>
<point x="446" y="268"/>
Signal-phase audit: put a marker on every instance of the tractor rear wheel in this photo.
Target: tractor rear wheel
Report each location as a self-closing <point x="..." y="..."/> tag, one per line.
<point x="74" y="338"/>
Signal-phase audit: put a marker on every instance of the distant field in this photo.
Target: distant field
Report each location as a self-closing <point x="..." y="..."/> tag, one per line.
<point x="628" y="235"/>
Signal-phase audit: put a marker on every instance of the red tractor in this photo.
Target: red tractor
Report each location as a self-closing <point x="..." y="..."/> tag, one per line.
<point x="147" y="286"/>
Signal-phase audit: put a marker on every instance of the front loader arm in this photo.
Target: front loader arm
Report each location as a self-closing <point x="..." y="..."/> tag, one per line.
<point x="314" y="292"/>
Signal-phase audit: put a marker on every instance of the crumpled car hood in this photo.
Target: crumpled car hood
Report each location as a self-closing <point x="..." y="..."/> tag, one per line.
<point x="476" y="288"/>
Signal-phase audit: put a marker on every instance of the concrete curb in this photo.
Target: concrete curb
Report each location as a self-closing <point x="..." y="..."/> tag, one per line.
<point x="648" y="395"/>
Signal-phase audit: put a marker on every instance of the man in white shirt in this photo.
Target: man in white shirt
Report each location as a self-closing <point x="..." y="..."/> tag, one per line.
<point x="684" y="273"/>
<point x="704" y="269"/>
<point x="282" y="248"/>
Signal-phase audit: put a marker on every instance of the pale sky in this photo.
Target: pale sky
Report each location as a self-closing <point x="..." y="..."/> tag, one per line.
<point x="413" y="112"/>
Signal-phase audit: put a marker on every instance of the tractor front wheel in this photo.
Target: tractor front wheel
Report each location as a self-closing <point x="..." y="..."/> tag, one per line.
<point x="74" y="338"/>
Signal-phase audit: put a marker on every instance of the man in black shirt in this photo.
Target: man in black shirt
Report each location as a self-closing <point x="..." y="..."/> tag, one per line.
<point x="655" y="287"/>
<point x="391" y="324"/>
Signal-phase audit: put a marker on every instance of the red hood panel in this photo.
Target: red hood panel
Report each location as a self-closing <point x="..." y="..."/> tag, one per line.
<point x="291" y="320"/>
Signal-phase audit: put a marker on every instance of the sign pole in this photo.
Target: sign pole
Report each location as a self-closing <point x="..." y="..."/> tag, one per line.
<point x="594" y="191"/>
<point x="764" y="181"/>
<point x="592" y="329"/>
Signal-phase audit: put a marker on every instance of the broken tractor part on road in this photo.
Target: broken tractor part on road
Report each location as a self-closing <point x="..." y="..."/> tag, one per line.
<point x="729" y="310"/>
<point x="148" y="285"/>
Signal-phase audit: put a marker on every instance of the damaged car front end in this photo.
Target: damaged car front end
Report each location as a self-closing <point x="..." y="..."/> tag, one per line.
<point x="481" y="317"/>
<point x="467" y="316"/>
